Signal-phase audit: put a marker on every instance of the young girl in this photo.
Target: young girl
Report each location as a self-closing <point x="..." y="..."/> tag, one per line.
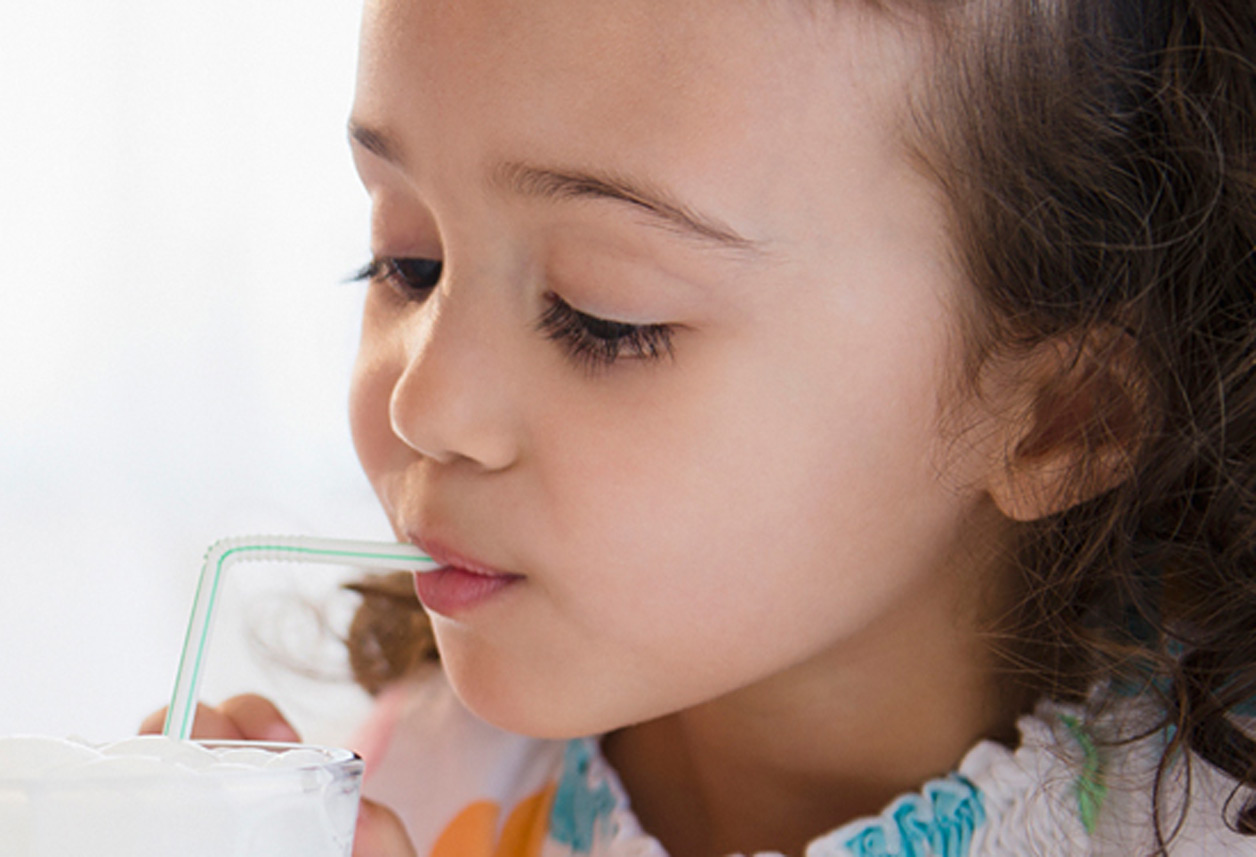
<point x="835" y="417"/>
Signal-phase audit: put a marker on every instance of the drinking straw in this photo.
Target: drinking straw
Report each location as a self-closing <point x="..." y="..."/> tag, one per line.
<point x="225" y="553"/>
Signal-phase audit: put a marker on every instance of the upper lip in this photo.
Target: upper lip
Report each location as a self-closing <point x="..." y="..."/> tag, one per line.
<point x="453" y="559"/>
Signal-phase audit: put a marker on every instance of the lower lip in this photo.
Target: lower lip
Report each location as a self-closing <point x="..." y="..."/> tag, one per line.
<point x="450" y="590"/>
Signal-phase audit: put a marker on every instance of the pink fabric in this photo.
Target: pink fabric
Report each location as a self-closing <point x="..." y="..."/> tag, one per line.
<point x="373" y="737"/>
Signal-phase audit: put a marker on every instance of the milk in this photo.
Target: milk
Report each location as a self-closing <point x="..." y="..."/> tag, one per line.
<point x="156" y="797"/>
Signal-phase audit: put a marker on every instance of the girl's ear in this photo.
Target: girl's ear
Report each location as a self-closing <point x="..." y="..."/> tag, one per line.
<point x="1079" y="416"/>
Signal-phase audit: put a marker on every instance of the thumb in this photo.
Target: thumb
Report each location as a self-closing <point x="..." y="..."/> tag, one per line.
<point x="380" y="833"/>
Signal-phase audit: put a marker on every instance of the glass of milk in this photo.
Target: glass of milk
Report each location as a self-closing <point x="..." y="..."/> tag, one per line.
<point x="153" y="796"/>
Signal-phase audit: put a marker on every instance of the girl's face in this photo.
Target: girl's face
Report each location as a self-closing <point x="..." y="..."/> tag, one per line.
<point x="672" y="375"/>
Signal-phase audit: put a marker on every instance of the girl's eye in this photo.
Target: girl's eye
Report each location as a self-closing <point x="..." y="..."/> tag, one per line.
<point x="412" y="278"/>
<point x="596" y="343"/>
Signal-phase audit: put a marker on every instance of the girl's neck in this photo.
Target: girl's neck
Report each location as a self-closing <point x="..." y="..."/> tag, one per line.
<point x="772" y="766"/>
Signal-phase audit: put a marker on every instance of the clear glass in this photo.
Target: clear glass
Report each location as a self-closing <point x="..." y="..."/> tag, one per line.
<point x="230" y="811"/>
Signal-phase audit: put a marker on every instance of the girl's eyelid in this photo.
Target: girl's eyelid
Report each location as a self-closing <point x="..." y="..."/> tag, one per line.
<point x="612" y="319"/>
<point x="610" y="316"/>
<point x="596" y="344"/>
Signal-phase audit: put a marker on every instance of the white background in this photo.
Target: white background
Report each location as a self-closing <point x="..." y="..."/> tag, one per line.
<point x="178" y="211"/>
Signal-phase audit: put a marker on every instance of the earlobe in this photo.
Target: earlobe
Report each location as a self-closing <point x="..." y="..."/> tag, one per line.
<point x="1080" y="419"/>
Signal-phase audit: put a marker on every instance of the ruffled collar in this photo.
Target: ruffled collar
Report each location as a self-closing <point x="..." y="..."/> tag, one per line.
<point x="1038" y="799"/>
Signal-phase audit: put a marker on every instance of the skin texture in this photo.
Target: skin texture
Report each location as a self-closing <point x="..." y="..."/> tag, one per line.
<point x="759" y="561"/>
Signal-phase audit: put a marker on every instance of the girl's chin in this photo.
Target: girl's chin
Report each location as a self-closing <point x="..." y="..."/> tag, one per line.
<point x="524" y="709"/>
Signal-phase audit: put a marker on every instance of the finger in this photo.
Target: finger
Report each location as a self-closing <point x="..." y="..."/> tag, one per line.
<point x="209" y="723"/>
<point x="153" y="723"/>
<point x="258" y="719"/>
<point x="380" y="833"/>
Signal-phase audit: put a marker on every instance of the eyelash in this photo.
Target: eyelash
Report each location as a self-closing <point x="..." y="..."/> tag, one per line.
<point x="591" y="342"/>
<point x="411" y="278"/>
<point x="597" y="343"/>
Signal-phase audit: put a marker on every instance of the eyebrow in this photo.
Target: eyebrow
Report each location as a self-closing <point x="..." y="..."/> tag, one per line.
<point x="543" y="183"/>
<point x="378" y="143"/>
<point x="536" y="182"/>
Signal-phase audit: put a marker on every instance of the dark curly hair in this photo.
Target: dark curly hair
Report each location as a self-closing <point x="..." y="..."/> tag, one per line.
<point x="1099" y="159"/>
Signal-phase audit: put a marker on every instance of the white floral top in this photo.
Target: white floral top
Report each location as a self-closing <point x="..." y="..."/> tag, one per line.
<point x="466" y="789"/>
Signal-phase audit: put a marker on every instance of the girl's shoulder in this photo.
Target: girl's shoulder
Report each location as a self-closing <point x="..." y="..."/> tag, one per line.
<point x="466" y="788"/>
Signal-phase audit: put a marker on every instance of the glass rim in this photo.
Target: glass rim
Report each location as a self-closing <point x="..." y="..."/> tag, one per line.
<point x="339" y="762"/>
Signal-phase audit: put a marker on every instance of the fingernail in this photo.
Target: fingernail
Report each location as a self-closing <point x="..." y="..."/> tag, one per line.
<point x="282" y="733"/>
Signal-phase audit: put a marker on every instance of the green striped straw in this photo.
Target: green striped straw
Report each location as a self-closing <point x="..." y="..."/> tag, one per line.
<point x="227" y="552"/>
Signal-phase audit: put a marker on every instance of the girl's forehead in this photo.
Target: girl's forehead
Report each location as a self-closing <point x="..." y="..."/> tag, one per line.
<point x="663" y="59"/>
<point x="739" y="94"/>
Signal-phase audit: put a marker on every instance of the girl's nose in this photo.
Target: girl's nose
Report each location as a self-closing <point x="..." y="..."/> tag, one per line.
<point x="451" y="401"/>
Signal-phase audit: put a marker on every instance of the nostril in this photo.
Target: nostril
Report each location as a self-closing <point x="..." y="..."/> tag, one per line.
<point x="445" y="410"/>
<point x="414" y="425"/>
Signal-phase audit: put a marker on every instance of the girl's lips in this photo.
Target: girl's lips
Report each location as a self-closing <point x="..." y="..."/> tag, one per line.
<point x="451" y="590"/>
<point x="460" y="584"/>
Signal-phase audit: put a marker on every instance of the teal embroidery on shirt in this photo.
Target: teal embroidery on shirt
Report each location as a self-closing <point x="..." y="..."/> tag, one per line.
<point x="579" y="808"/>
<point x="939" y="822"/>
<point x="1090" y="786"/>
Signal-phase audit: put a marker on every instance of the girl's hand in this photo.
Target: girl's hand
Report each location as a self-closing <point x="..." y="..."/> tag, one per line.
<point x="380" y="833"/>
<point x="255" y="718"/>
<point x="241" y="718"/>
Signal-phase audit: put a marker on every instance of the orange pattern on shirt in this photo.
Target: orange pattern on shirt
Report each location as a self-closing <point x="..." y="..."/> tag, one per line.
<point x="474" y="829"/>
